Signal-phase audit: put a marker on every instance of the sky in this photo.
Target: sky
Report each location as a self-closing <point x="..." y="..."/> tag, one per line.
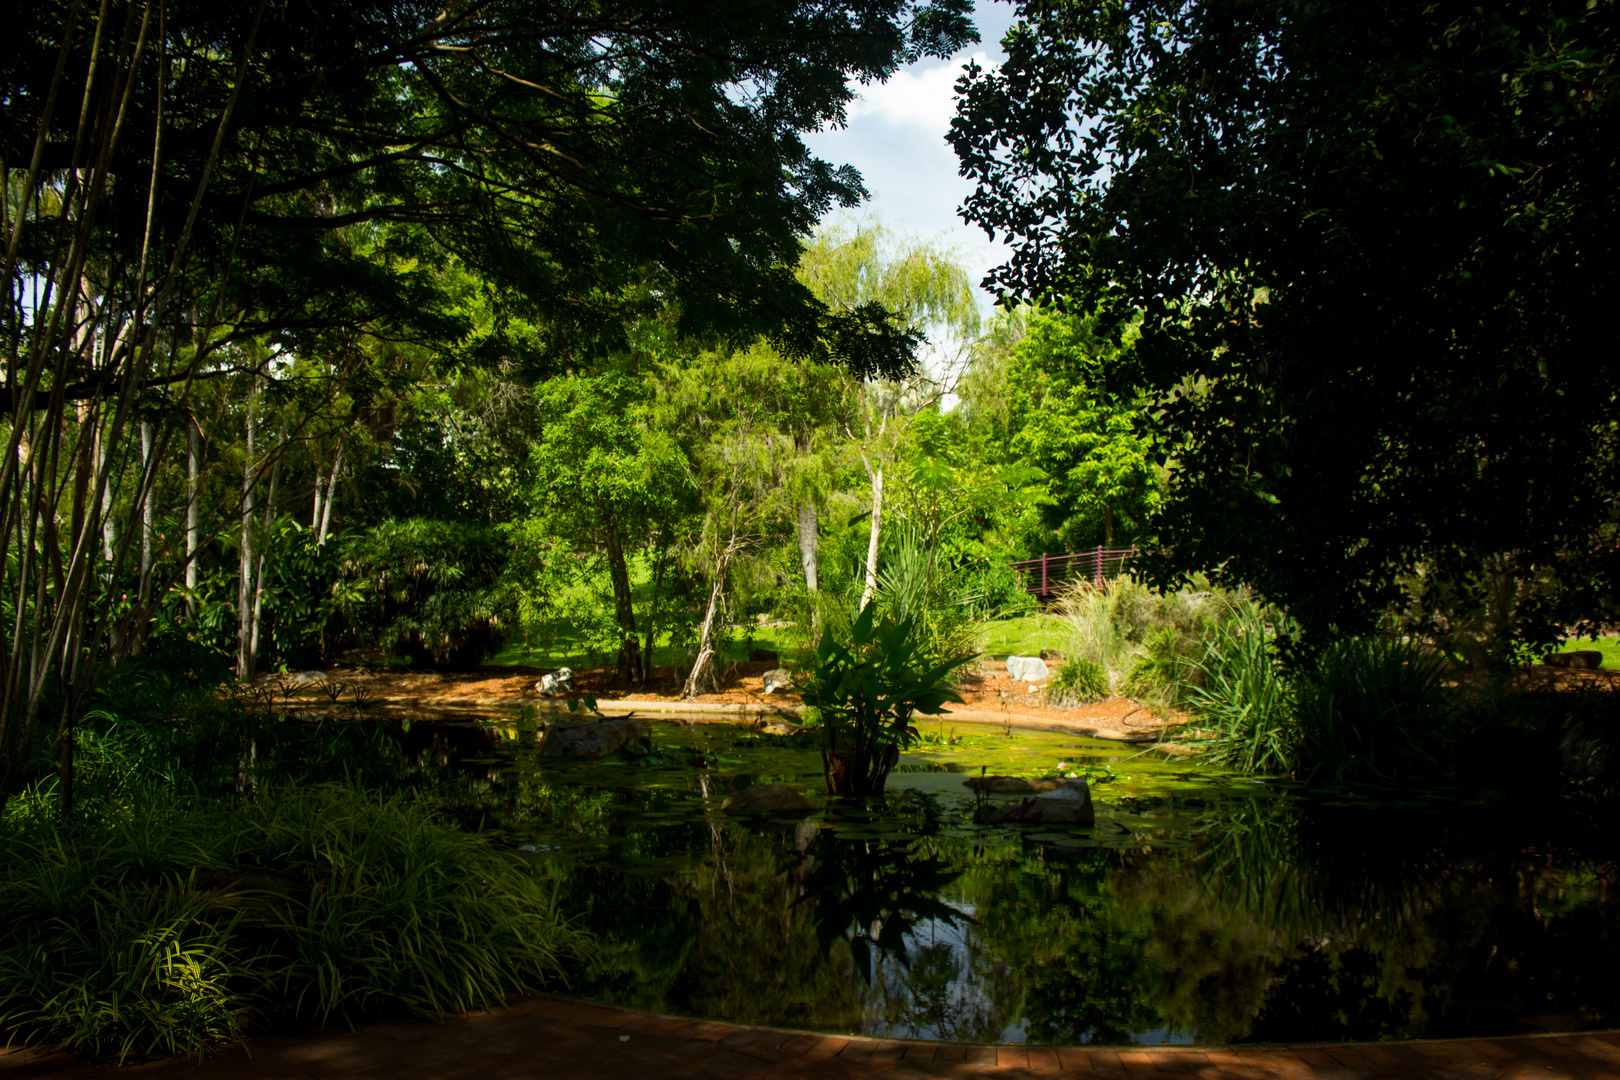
<point x="896" y="139"/>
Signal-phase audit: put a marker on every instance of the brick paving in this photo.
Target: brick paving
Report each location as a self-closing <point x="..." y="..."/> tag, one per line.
<point x="546" y="1038"/>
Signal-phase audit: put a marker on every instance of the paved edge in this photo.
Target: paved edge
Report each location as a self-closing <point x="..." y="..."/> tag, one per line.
<point x="554" y="1037"/>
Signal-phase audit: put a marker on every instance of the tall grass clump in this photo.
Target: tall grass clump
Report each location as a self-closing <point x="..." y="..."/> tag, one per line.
<point x="1373" y="709"/>
<point x="1146" y="644"/>
<point x="187" y="921"/>
<point x="1244" y="700"/>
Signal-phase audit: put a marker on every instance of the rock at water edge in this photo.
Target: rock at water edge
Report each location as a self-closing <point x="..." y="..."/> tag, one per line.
<point x="556" y="682"/>
<point x="589" y="739"/>
<point x="1027" y="669"/>
<point x="1068" y="805"/>
<point x="1580" y="658"/>
<point x="1011" y="785"/>
<point x="767" y="799"/>
<point x="777" y="681"/>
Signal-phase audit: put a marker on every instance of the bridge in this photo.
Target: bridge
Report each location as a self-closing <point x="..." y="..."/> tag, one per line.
<point x="1047" y="575"/>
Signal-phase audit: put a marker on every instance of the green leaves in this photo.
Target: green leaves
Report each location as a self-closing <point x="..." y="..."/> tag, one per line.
<point x="1379" y="237"/>
<point x="866" y="694"/>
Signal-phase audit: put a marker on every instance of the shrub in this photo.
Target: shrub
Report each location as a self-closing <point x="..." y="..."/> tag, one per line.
<point x="182" y="924"/>
<point x="865" y="695"/>
<point x="1372" y="709"/>
<point x="1079" y="681"/>
<point x="1245" y="701"/>
<point x="430" y="590"/>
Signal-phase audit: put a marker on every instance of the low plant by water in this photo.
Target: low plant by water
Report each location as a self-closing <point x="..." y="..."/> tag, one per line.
<point x="865" y="695"/>
<point x="1245" y="701"/>
<point x="1079" y="680"/>
<point x="1373" y="709"/>
<point x="165" y="924"/>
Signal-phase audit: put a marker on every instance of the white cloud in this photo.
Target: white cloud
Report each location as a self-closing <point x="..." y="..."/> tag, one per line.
<point x="918" y="97"/>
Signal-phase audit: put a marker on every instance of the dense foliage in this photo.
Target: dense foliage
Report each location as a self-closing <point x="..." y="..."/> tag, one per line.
<point x="1368" y="248"/>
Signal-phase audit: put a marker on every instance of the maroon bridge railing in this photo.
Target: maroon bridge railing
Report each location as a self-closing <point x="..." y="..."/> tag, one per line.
<point x="1045" y="575"/>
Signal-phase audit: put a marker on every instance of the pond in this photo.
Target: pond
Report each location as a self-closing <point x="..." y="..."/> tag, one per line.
<point x="1202" y="907"/>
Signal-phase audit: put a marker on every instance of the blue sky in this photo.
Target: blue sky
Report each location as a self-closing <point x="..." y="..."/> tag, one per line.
<point x="896" y="138"/>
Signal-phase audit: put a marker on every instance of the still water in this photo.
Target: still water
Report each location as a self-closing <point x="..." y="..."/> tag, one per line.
<point x="1202" y="907"/>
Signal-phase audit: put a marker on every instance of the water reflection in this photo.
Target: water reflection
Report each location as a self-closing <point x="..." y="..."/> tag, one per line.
<point x="1196" y="910"/>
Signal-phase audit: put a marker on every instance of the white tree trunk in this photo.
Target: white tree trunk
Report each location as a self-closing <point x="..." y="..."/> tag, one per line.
<point x="193" y="511"/>
<point x="320" y="499"/>
<point x="148" y="508"/>
<point x="808" y="544"/>
<point x="876" y="473"/>
<point x="331" y="496"/>
<point x="244" y="587"/>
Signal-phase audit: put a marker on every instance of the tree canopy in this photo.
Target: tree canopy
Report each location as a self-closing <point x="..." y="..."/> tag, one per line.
<point x="1372" y="247"/>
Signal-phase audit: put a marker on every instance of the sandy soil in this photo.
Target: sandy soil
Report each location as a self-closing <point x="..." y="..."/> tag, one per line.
<point x="985" y="689"/>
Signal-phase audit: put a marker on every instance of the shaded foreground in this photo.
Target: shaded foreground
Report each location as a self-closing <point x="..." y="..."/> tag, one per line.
<point x="551" y="1037"/>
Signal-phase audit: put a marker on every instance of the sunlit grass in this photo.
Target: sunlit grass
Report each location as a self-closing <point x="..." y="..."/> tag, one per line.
<point x="1608" y="646"/>
<point x="1026" y="635"/>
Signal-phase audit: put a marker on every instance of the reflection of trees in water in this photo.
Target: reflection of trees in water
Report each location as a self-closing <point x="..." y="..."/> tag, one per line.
<point x="936" y="992"/>
<point x="1294" y="921"/>
<point x="1289" y="921"/>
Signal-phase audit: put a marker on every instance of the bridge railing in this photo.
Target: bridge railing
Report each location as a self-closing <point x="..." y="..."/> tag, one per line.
<point x="1045" y="575"/>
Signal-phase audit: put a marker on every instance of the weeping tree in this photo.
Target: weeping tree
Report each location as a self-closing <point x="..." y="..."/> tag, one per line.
<point x="848" y="267"/>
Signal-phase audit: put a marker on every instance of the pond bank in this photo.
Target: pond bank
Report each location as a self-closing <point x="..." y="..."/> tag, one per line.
<point x="499" y="692"/>
<point x="557" y="1037"/>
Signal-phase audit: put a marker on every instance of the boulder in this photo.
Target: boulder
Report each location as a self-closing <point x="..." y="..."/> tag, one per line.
<point x="1027" y="669"/>
<point x="590" y="738"/>
<point x="1581" y="658"/>
<point x="777" y="681"/>
<point x="779" y="727"/>
<point x="765" y="656"/>
<point x="1070" y="804"/>
<point x="767" y="799"/>
<point x="557" y="682"/>
<point x="307" y="677"/>
<point x="1011" y="785"/>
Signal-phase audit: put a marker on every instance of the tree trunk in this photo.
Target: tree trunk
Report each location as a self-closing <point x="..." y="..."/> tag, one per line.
<point x="629" y="660"/>
<point x="872" y="543"/>
<point x="1108" y="526"/>
<point x="717" y="586"/>
<point x="331" y="496"/>
<point x="258" y="591"/>
<point x="148" y="510"/>
<point x="245" y="583"/>
<point x="808" y="542"/>
<point x="193" y="510"/>
<point x="705" y="652"/>
<point x="109" y="533"/>
<point x="320" y="499"/>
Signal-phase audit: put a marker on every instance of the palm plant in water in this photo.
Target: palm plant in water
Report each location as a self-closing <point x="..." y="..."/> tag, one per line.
<point x="866" y="694"/>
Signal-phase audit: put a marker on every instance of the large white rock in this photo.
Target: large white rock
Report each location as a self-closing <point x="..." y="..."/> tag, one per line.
<point x="589" y="739"/>
<point x="1068" y="805"/>
<point x="556" y="682"/>
<point x="1027" y="669"/>
<point x="777" y="681"/>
